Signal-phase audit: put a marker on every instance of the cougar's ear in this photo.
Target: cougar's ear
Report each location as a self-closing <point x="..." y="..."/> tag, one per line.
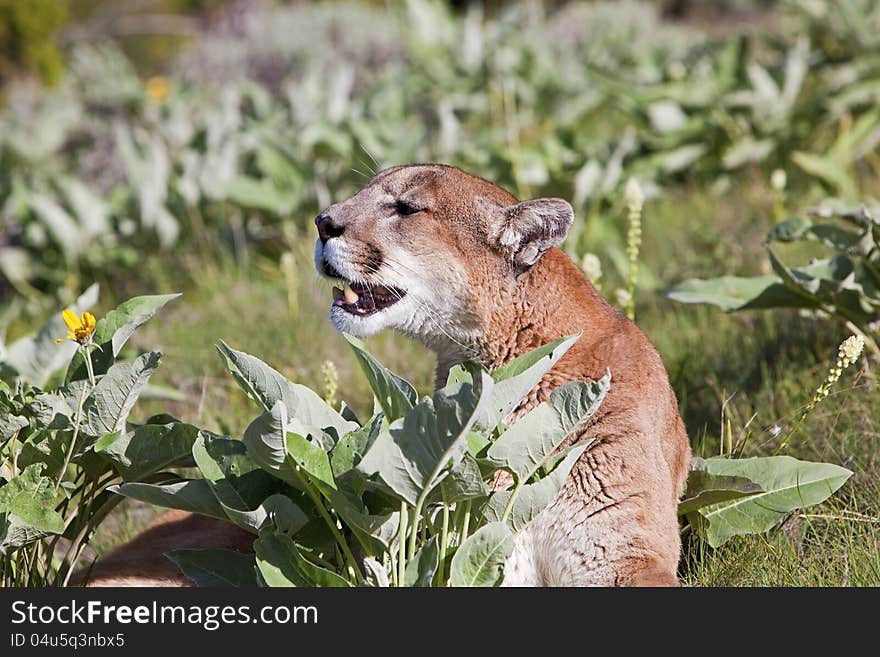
<point x="525" y="230"/>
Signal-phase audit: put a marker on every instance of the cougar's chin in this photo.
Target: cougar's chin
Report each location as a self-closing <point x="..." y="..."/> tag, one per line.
<point x="364" y="324"/>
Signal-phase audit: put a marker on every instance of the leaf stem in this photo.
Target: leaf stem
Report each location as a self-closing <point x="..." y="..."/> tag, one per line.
<point x="444" y="541"/>
<point x="401" y="545"/>
<point x="393" y="558"/>
<point x="465" y="527"/>
<point x="91" y="371"/>
<point x="509" y="507"/>
<point x="340" y="539"/>
<point x="76" y="425"/>
<point x="13" y="453"/>
<point x="414" y="529"/>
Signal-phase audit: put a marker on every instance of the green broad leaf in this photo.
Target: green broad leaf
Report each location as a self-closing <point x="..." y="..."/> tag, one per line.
<point x="577" y="401"/>
<point x="396" y="396"/>
<point x="194" y="495"/>
<point x="10" y="425"/>
<point x="531" y="499"/>
<point x="829" y="171"/>
<point x="787" y="484"/>
<point x="516" y="379"/>
<point x="260" y="194"/>
<point x="64" y="229"/>
<point x="27" y="503"/>
<point x="477" y="444"/>
<point x="112" y="332"/>
<point x="801" y="282"/>
<point x="375" y="532"/>
<point x="282" y="515"/>
<point x="527" y="361"/>
<point x="464" y="482"/>
<point x="350" y="449"/>
<point x="236" y="479"/>
<point x="116" y="393"/>
<point x="281" y="564"/>
<point x="531" y="441"/>
<point x="267" y="386"/>
<point x="17" y="265"/>
<point x="802" y="228"/>
<point x="861" y="137"/>
<point x="239" y="483"/>
<point x="266" y="442"/>
<point x="92" y="212"/>
<point x="833" y="236"/>
<point x="479" y="561"/>
<point x="422" y="566"/>
<point x="414" y="454"/>
<point x="375" y="574"/>
<point x="277" y="512"/>
<point x="348" y="413"/>
<point x="49" y="447"/>
<point x="790" y="230"/>
<point x="149" y="448"/>
<point x="731" y="293"/>
<point x="458" y="374"/>
<point x="52" y="410"/>
<point x="747" y="149"/>
<point x="216" y="567"/>
<point x="681" y="158"/>
<point x="705" y="489"/>
<point x="36" y="358"/>
<point x="311" y="459"/>
<point x="279" y="168"/>
<point x="72" y="393"/>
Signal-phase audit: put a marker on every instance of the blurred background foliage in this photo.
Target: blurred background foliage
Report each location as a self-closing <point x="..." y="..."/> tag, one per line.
<point x="179" y="115"/>
<point x="28" y="38"/>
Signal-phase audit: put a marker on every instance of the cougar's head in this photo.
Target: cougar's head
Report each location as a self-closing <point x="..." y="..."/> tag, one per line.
<point x="425" y="249"/>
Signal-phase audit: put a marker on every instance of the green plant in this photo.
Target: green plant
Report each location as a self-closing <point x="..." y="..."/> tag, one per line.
<point x="727" y="496"/>
<point x="404" y="499"/>
<point x="61" y="446"/>
<point x="844" y="285"/>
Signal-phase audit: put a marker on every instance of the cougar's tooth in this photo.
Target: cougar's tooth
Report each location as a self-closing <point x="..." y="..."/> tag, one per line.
<point x="350" y="295"/>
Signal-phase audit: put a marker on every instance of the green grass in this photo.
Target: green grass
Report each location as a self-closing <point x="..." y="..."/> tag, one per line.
<point x="762" y="368"/>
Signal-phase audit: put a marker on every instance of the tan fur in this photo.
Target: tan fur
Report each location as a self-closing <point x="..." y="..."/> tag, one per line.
<point x="484" y="280"/>
<point x="141" y="562"/>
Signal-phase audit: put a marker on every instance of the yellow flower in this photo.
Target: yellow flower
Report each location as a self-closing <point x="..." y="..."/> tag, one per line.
<point x="81" y="328"/>
<point x="157" y="89"/>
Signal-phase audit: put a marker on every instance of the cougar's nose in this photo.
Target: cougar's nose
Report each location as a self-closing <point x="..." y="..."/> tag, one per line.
<point x="326" y="227"/>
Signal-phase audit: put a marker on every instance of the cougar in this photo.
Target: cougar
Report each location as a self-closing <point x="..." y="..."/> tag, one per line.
<point x="460" y="265"/>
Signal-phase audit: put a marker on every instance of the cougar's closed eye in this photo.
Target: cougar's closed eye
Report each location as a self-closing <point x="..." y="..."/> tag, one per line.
<point x="405" y="208"/>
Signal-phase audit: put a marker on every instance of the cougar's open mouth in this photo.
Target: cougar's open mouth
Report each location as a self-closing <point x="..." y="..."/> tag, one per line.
<point x="363" y="299"/>
<point x="360" y="299"/>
